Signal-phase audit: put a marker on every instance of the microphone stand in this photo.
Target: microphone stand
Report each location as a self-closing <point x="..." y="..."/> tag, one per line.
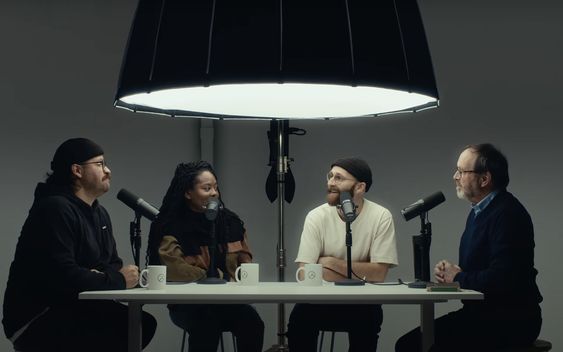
<point x="212" y="278"/>
<point x="349" y="281"/>
<point x="421" y="251"/>
<point x="281" y="162"/>
<point x="282" y="169"/>
<point x="135" y="237"/>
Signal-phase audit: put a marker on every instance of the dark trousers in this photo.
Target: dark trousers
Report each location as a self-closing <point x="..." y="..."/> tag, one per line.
<point x="471" y="329"/>
<point x="89" y="326"/>
<point x="361" y="322"/>
<point x="206" y="322"/>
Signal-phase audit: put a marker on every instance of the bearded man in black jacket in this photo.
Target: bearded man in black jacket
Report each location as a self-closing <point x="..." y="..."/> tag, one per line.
<point x="66" y="247"/>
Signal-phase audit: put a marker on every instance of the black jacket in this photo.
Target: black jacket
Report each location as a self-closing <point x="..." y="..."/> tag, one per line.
<point x="62" y="240"/>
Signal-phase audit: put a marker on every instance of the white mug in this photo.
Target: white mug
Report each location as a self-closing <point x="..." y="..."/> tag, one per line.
<point x="153" y="277"/>
<point x="248" y="274"/>
<point x="312" y="275"/>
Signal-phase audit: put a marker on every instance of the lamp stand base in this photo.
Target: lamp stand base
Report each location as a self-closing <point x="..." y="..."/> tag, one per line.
<point x="278" y="348"/>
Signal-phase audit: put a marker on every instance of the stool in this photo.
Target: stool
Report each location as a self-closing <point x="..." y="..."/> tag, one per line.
<point x="331" y="341"/>
<point x="220" y="342"/>
<point x="537" y="346"/>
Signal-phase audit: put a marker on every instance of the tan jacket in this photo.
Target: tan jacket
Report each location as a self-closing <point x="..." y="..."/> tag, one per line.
<point x="186" y="268"/>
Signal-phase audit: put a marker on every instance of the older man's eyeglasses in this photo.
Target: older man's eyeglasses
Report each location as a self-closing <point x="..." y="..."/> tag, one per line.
<point x="102" y="163"/>
<point x="337" y="178"/>
<point x="459" y="172"/>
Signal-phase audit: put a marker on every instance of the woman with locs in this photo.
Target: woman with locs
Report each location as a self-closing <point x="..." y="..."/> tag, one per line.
<point x="180" y="239"/>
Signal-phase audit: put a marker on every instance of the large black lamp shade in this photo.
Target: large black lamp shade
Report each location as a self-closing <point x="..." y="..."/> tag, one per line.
<point x="282" y="59"/>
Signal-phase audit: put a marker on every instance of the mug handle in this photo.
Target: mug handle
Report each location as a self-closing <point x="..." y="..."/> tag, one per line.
<point x="144" y="272"/>
<point x="237" y="274"/>
<point x="297" y="274"/>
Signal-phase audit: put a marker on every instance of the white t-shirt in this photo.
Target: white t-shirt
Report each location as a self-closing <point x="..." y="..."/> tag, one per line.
<point x="373" y="235"/>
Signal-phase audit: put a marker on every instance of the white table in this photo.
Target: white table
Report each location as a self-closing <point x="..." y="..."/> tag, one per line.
<point x="281" y="292"/>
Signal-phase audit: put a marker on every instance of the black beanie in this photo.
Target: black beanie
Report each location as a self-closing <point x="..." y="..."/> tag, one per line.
<point x="357" y="168"/>
<point x="74" y="151"/>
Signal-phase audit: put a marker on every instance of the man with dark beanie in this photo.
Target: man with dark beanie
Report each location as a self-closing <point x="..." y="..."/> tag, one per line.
<point x="374" y="251"/>
<point x="496" y="257"/>
<point x="66" y="247"/>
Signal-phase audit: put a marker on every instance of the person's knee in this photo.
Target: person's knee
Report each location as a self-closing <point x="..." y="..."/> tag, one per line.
<point x="400" y="344"/>
<point x="408" y="342"/>
<point x="182" y="319"/>
<point x="254" y="324"/>
<point x="248" y="319"/>
<point x="297" y="316"/>
<point x="149" y="328"/>
<point x="260" y="325"/>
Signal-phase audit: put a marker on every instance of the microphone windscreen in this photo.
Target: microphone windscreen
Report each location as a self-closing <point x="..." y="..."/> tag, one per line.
<point x="344" y="196"/>
<point x="433" y="200"/>
<point x="423" y="205"/>
<point x="347" y="205"/>
<point x="212" y="208"/>
<point x="138" y="204"/>
<point x="127" y="197"/>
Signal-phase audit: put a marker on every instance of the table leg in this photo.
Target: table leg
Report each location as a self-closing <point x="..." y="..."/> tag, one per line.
<point x="135" y="327"/>
<point x="427" y="325"/>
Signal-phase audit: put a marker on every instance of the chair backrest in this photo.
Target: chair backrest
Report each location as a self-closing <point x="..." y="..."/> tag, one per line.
<point x="331" y="341"/>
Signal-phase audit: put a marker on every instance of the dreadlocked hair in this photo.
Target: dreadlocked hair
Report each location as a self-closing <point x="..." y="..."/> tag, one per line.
<point x="174" y="203"/>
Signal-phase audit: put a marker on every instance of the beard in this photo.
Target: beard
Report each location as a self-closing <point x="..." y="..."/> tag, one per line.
<point x="469" y="192"/>
<point x="105" y="184"/>
<point x="333" y="196"/>
<point x="459" y="192"/>
<point x="95" y="186"/>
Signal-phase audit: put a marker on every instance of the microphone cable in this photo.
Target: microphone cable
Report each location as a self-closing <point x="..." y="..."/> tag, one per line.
<point x="376" y="283"/>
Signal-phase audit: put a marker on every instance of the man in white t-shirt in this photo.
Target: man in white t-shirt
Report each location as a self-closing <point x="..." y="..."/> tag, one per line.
<point x="374" y="251"/>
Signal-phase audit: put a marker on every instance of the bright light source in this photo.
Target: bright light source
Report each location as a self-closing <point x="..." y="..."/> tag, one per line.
<point x="288" y="101"/>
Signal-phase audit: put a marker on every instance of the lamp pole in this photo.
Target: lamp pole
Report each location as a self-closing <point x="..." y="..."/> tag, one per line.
<point x="282" y="167"/>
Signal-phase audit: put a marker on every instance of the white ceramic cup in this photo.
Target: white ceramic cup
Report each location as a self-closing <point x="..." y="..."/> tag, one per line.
<point x="312" y="274"/>
<point x="153" y="277"/>
<point x="248" y="273"/>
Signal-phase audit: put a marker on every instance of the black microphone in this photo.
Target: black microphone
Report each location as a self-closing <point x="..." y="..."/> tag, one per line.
<point x="138" y="204"/>
<point x="212" y="208"/>
<point x="348" y="207"/>
<point x="423" y="205"/>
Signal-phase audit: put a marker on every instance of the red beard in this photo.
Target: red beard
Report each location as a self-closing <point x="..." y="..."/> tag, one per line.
<point x="333" y="196"/>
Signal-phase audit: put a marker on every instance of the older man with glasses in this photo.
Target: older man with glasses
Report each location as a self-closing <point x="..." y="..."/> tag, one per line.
<point x="66" y="247"/>
<point x="496" y="257"/>
<point x="374" y="251"/>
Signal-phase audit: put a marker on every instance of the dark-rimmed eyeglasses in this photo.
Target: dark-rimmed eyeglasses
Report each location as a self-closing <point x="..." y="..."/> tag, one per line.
<point x="460" y="172"/>
<point x="102" y="163"/>
<point x="337" y="178"/>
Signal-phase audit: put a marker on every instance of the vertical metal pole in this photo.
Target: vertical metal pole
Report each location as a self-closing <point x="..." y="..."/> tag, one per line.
<point x="282" y="170"/>
<point x="349" y="250"/>
<point x="281" y="262"/>
<point x="427" y="325"/>
<point x="135" y="315"/>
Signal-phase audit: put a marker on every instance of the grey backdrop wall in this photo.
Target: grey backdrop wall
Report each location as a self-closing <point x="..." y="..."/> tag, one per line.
<point x="498" y="71"/>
